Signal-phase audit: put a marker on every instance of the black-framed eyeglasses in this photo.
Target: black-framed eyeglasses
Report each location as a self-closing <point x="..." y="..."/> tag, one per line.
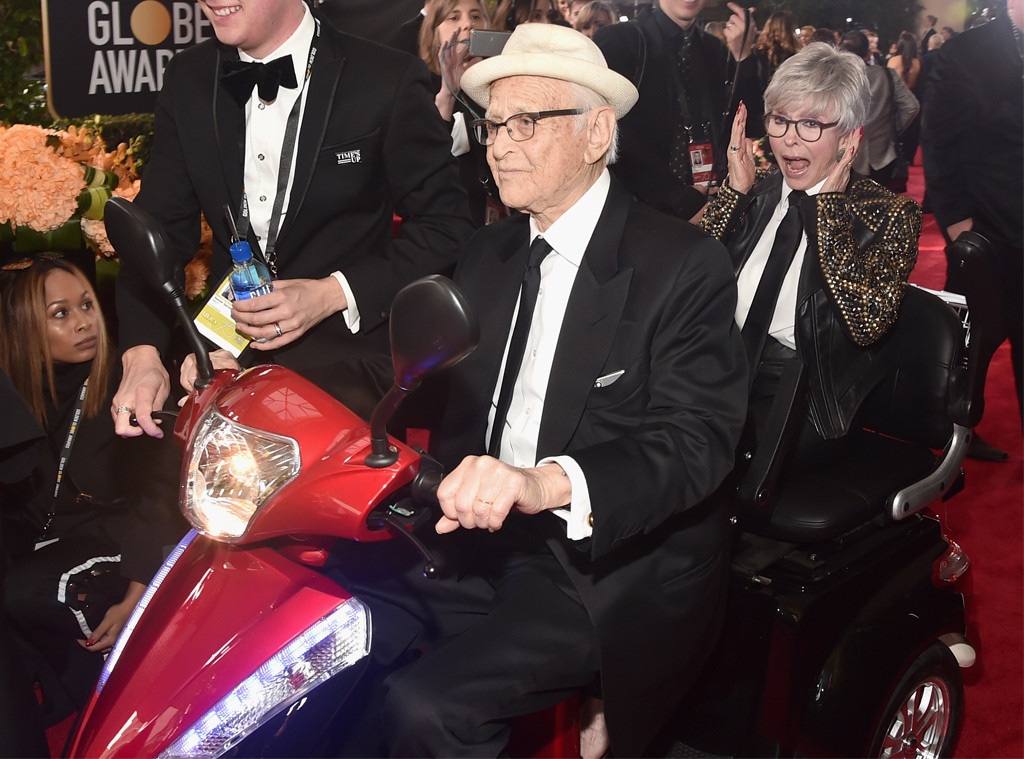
<point x="807" y="130"/>
<point x="520" y="126"/>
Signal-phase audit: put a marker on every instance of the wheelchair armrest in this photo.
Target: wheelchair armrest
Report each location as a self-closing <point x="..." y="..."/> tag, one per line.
<point x="917" y="495"/>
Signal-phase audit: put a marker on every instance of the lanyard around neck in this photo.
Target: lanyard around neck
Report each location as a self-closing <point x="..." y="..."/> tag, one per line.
<point x="284" y="170"/>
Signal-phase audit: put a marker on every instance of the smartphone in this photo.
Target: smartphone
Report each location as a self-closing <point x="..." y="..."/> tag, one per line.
<point x="485" y="44"/>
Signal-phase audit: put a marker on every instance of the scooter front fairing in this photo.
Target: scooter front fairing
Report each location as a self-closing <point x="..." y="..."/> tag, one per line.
<point x="231" y="638"/>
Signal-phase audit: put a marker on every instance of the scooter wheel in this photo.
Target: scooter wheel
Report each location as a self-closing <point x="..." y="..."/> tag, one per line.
<point x="925" y="712"/>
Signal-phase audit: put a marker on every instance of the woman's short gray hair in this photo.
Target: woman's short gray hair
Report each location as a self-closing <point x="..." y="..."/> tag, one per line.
<point x="827" y="82"/>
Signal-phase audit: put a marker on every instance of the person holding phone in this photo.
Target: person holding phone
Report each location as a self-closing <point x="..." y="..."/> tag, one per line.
<point x="822" y="254"/>
<point x="445" y="46"/>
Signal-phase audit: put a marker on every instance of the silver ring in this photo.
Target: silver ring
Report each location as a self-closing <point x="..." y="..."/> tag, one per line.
<point x="123" y="410"/>
<point x="277" y="327"/>
<point x="733" y="149"/>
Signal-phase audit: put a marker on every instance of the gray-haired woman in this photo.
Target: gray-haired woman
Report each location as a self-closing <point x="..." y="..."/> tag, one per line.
<point x="843" y="273"/>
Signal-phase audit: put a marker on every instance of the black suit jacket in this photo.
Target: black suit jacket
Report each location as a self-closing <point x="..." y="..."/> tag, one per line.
<point x="972" y="133"/>
<point x="654" y="297"/>
<point x="639" y="51"/>
<point x="371" y="144"/>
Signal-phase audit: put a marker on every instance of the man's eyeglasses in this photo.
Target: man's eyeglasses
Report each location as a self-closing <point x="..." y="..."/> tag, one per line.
<point x="520" y="126"/>
<point x="807" y="130"/>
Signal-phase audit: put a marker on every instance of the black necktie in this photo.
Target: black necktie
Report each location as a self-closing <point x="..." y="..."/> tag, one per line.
<point x="679" y="152"/>
<point x="762" y="308"/>
<point x="517" y="345"/>
<point x="240" y="77"/>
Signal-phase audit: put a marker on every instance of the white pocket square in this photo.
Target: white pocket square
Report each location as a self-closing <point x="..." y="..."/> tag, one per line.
<point x="608" y="379"/>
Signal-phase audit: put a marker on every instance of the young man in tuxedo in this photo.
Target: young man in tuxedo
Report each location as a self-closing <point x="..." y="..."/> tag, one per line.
<point x="586" y="437"/>
<point x="313" y="140"/>
<point x="674" y="140"/>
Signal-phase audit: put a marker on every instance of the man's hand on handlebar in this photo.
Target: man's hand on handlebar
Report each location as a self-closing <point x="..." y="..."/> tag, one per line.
<point x="482" y="491"/>
<point x="144" y="387"/>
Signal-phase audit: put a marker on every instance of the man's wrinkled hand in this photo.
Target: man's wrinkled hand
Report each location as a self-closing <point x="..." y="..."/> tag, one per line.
<point x="482" y="491"/>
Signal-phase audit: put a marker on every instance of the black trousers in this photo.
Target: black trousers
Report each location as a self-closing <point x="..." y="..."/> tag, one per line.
<point x="501" y="634"/>
<point x="52" y="599"/>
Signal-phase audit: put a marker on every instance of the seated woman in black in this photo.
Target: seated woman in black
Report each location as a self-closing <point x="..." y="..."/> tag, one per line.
<point x="822" y="254"/>
<point x="87" y="529"/>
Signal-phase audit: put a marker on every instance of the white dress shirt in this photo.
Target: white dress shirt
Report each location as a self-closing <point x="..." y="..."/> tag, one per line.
<point x="265" y="124"/>
<point x="783" y="325"/>
<point x="568" y="237"/>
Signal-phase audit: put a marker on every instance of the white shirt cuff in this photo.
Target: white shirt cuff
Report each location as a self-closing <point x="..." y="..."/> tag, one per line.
<point x="460" y="134"/>
<point x="351" y="313"/>
<point x="577" y="515"/>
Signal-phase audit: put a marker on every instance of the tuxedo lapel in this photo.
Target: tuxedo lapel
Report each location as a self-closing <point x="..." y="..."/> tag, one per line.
<point x="319" y="103"/>
<point x="588" y="329"/>
<point x="229" y="128"/>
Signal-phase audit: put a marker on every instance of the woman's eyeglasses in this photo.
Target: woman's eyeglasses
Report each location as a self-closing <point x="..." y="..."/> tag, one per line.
<point x="807" y="130"/>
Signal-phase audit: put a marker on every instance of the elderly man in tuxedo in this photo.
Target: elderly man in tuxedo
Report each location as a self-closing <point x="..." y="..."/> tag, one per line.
<point x="312" y="139"/>
<point x="588" y="433"/>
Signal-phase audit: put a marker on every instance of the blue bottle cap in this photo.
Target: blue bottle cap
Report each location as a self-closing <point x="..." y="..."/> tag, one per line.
<point x="240" y="251"/>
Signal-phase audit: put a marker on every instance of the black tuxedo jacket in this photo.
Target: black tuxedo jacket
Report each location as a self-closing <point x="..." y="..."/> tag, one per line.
<point x="973" y="134"/>
<point x="654" y="297"/>
<point x="640" y="52"/>
<point x="371" y="144"/>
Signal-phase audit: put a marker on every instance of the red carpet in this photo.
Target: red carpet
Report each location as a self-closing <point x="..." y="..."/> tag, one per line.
<point x="986" y="520"/>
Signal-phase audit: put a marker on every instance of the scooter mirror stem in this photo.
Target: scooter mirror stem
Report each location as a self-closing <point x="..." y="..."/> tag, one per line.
<point x="383" y="454"/>
<point x="141" y="242"/>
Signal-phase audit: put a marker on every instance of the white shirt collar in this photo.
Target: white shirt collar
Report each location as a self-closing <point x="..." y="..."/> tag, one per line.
<point x="297" y="46"/>
<point x="571" y="232"/>
<point x="786" y="190"/>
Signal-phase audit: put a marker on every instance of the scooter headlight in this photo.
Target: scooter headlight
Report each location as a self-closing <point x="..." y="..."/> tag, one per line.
<point x="333" y="644"/>
<point x="232" y="471"/>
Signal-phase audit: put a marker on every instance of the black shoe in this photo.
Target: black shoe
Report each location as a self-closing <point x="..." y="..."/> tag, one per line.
<point x="982" y="451"/>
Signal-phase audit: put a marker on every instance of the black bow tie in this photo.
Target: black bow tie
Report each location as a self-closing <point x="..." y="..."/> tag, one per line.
<point x="240" y="77"/>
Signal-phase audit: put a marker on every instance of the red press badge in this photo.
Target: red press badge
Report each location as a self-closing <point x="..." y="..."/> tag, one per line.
<point x="702" y="160"/>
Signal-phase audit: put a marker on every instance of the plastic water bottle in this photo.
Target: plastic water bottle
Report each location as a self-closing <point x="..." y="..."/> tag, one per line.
<point x="249" y="277"/>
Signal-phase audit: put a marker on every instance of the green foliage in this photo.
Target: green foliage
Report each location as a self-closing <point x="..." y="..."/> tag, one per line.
<point x="22" y="91"/>
<point x="887" y="17"/>
<point x="133" y="129"/>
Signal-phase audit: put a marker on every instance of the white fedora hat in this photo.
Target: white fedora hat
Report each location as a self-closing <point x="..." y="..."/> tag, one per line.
<point x="556" y="52"/>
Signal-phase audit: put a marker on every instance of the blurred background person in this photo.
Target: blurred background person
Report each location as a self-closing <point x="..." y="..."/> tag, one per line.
<point x="777" y="42"/>
<point x="87" y="529"/>
<point x="444" y="47"/>
<point x="588" y="17"/>
<point x="805" y="33"/>
<point x="673" y="141"/>
<point x="906" y="63"/>
<point x="973" y="149"/>
<point x="892" y="107"/>
<point x="512" y="13"/>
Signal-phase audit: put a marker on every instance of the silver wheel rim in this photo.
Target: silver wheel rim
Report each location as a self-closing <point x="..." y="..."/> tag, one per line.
<point x="919" y="728"/>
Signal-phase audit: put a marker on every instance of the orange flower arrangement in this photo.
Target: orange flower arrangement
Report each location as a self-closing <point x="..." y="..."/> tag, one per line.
<point x="40" y="188"/>
<point x="52" y="181"/>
